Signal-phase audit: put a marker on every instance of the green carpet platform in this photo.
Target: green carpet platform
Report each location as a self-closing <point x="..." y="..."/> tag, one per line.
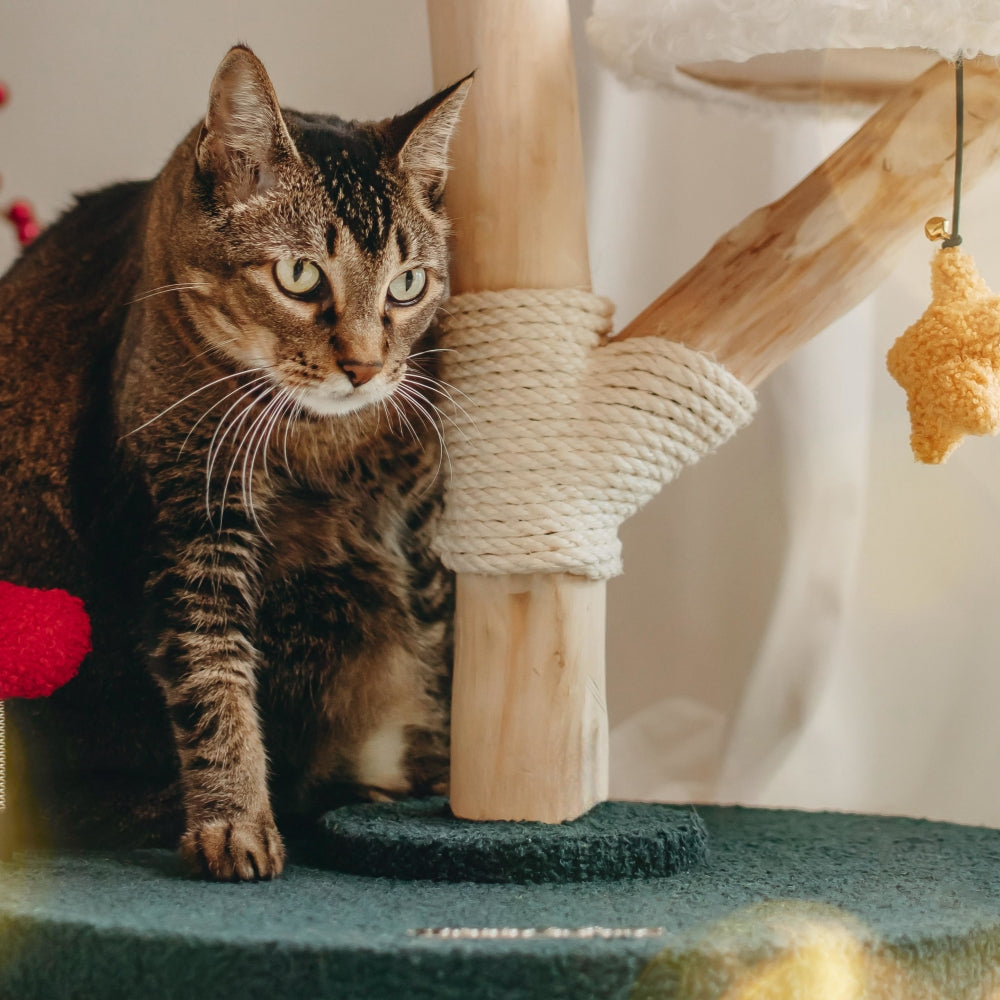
<point x="900" y="907"/>
<point x="421" y="839"/>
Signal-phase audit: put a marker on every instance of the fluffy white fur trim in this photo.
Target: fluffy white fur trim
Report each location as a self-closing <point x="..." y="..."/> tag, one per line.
<point x="646" y="38"/>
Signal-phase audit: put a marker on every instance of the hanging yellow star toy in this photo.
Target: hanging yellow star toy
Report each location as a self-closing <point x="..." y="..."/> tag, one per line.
<point x="949" y="360"/>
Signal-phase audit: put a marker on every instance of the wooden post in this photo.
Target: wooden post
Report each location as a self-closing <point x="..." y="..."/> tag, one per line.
<point x="529" y="722"/>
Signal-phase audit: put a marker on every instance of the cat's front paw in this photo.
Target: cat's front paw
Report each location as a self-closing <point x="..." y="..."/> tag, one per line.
<point x="234" y="849"/>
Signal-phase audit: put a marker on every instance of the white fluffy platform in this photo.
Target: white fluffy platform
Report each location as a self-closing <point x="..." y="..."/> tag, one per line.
<point x="645" y="40"/>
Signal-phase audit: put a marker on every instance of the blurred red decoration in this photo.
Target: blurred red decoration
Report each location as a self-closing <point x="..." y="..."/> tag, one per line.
<point x="20" y="212"/>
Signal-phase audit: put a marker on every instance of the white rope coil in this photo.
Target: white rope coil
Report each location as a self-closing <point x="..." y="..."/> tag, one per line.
<point x="558" y="434"/>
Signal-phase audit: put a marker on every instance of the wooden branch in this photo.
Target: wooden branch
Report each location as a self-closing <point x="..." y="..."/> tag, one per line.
<point x="790" y="269"/>
<point x="529" y="724"/>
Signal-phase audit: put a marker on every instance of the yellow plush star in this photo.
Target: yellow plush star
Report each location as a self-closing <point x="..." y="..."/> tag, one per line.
<point x="949" y="360"/>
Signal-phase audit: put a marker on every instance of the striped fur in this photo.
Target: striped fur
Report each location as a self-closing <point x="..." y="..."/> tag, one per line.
<point x="192" y="450"/>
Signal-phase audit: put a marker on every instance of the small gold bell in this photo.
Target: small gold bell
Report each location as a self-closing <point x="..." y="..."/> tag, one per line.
<point x="937" y="228"/>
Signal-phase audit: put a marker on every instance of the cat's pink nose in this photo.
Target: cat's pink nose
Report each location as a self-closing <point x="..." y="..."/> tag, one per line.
<point x="360" y="372"/>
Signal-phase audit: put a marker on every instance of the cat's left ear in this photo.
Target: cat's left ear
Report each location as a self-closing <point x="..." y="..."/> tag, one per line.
<point x="244" y="139"/>
<point x="423" y="136"/>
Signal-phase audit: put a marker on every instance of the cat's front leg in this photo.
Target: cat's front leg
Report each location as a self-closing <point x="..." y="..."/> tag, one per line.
<point x="205" y="600"/>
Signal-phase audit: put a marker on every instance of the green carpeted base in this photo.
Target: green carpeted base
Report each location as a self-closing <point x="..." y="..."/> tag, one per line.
<point x="912" y="902"/>
<point x="421" y="839"/>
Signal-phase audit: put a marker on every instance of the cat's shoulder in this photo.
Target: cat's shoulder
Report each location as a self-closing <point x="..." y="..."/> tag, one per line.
<point x="106" y="215"/>
<point x="74" y="256"/>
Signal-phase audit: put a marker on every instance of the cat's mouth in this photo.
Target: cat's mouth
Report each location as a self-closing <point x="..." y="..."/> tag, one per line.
<point x="335" y="396"/>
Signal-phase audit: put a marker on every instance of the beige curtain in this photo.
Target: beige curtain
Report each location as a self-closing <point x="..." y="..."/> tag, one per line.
<point x="807" y="618"/>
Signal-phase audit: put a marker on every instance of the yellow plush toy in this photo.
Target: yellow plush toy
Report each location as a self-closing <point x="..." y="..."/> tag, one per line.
<point x="949" y="360"/>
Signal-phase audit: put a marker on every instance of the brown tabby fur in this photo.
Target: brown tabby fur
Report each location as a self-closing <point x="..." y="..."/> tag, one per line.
<point x="218" y="469"/>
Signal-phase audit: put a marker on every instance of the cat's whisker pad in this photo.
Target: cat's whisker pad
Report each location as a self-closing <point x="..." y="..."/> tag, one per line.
<point x="184" y="399"/>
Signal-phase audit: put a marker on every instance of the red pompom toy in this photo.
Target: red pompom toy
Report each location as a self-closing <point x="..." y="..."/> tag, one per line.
<point x="44" y="636"/>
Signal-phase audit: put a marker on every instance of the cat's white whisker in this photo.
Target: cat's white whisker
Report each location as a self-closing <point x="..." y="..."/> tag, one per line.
<point x="432" y="350"/>
<point x="385" y="409"/>
<point x="208" y="350"/>
<point x="390" y="402"/>
<point x="426" y="407"/>
<point x="403" y="419"/>
<point x="415" y="386"/>
<point x="272" y="413"/>
<point x="180" y="286"/>
<point x="212" y="449"/>
<point x="417" y="402"/>
<point x="441" y="385"/>
<point x="265" y="425"/>
<point x="384" y="404"/>
<point x="239" y="440"/>
<point x="215" y="447"/>
<point x="281" y="410"/>
<point x="260" y="380"/>
<point x="289" y="421"/>
<point x="184" y="399"/>
<point x="249" y="445"/>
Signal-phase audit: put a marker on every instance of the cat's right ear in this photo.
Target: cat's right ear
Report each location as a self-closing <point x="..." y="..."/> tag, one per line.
<point x="244" y="138"/>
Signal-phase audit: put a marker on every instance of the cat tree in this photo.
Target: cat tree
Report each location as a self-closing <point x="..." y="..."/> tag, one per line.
<point x="908" y="908"/>
<point x="529" y="736"/>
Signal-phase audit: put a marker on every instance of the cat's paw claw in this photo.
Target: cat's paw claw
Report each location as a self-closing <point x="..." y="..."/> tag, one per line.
<point x="234" y="850"/>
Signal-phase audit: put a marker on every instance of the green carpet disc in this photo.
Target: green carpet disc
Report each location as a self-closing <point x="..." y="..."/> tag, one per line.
<point x="420" y="839"/>
<point x="826" y="904"/>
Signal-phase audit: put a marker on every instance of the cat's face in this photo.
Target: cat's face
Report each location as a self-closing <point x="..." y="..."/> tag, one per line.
<point x="321" y="248"/>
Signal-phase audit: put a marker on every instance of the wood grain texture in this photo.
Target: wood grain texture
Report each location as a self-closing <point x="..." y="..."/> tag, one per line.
<point x="793" y="267"/>
<point x="516" y="194"/>
<point x="529" y="722"/>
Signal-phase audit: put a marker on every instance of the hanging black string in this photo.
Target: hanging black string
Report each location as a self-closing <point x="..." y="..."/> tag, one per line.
<point x="955" y="239"/>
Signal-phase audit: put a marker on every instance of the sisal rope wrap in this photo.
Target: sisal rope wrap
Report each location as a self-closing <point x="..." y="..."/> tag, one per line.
<point x="558" y="435"/>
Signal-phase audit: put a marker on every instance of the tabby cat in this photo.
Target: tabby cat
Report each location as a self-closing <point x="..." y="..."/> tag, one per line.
<point x="215" y="395"/>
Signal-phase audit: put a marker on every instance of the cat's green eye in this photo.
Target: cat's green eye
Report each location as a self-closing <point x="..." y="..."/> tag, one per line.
<point x="408" y="286"/>
<point x="297" y="277"/>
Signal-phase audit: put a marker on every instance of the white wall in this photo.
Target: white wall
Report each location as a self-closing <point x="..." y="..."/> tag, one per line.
<point x="806" y="618"/>
<point x="102" y="90"/>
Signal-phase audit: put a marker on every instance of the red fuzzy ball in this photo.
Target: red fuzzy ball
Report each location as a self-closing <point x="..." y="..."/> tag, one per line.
<point x="44" y="637"/>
